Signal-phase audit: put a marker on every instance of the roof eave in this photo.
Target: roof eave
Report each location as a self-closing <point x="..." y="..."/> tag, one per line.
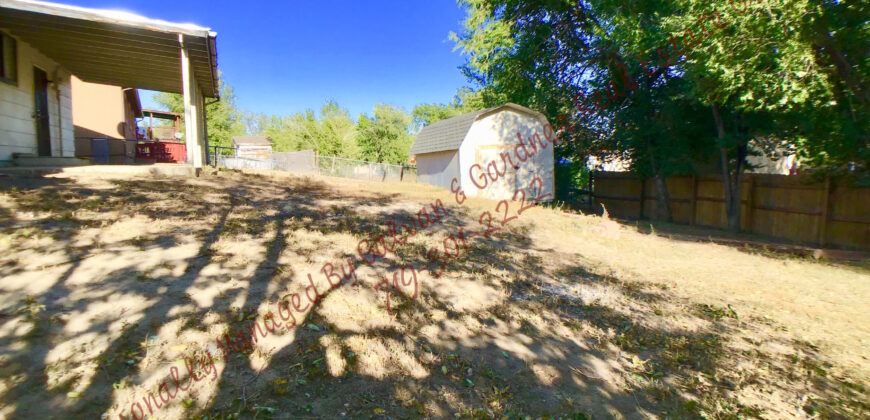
<point x="111" y="47"/>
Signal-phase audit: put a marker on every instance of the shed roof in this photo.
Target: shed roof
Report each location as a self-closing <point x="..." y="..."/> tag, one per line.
<point x="448" y="134"/>
<point x="113" y="47"/>
<point x="252" y="141"/>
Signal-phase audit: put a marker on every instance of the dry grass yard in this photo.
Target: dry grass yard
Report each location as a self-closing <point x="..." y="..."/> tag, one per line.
<point x="108" y="282"/>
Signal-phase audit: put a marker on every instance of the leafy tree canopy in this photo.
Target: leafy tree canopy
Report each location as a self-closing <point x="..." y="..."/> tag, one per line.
<point x="463" y="102"/>
<point x="385" y="137"/>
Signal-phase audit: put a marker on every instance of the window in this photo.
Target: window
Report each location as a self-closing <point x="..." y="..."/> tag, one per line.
<point x="8" y="59"/>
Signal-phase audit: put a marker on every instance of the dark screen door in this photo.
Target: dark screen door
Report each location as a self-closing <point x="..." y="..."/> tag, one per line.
<point x="40" y="113"/>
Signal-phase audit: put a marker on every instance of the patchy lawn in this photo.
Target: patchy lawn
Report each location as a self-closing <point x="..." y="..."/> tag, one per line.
<point x="109" y="283"/>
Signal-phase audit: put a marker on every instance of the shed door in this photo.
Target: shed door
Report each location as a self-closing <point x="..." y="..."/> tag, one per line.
<point x="505" y="186"/>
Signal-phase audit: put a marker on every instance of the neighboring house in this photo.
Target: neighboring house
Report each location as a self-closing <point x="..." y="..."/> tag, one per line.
<point x="104" y="120"/>
<point x="779" y="161"/>
<point x="253" y="147"/>
<point x="161" y="132"/>
<point x="44" y="44"/>
<point x="608" y="164"/>
<point x="772" y="158"/>
<point x="463" y="147"/>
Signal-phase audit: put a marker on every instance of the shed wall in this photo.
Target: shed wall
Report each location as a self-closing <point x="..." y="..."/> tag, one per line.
<point x="495" y="134"/>
<point x="438" y="168"/>
<point x="17" y="126"/>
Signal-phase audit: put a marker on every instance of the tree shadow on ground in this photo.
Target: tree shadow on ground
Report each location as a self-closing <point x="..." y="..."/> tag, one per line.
<point x="753" y="244"/>
<point x="504" y="332"/>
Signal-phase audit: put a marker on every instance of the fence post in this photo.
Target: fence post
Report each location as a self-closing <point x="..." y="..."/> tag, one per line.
<point x="823" y="223"/>
<point x="750" y="201"/>
<point x="402" y="173"/>
<point x="642" y="197"/>
<point x="694" y="199"/>
<point x="590" y="193"/>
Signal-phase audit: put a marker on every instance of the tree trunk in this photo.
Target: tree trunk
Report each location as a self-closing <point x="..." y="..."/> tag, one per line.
<point x="663" y="198"/>
<point x="857" y="86"/>
<point x="731" y="179"/>
<point x="844" y="70"/>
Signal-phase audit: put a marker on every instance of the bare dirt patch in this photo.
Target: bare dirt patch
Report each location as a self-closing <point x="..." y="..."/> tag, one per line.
<point x="107" y="283"/>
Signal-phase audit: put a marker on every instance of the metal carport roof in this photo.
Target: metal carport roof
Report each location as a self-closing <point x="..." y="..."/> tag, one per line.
<point x="116" y="48"/>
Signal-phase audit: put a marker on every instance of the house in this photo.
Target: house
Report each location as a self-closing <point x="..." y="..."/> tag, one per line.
<point x="612" y="163"/>
<point x="253" y="147"/>
<point x="166" y="132"/>
<point x="778" y="159"/>
<point x="491" y="153"/>
<point x="45" y="44"/>
<point x="104" y="121"/>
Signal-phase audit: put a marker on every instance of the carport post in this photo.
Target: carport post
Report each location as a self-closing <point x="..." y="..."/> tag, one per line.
<point x="202" y="129"/>
<point x="193" y="122"/>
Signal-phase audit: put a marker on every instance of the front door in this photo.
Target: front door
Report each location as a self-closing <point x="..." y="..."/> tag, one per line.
<point x="40" y="112"/>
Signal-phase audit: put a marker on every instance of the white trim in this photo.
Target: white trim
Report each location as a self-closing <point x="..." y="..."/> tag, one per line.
<point x="107" y="16"/>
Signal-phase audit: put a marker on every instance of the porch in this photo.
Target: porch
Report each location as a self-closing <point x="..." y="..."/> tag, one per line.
<point x="107" y="47"/>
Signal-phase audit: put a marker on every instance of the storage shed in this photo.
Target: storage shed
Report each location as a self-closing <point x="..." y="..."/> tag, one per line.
<point x="253" y="147"/>
<point x="491" y="153"/>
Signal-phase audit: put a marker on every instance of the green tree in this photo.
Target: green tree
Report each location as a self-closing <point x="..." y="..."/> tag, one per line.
<point x="463" y="102"/>
<point x="339" y="135"/>
<point x="785" y="69"/>
<point x="334" y="134"/>
<point x="540" y="54"/>
<point x="385" y="137"/>
<point x="663" y="131"/>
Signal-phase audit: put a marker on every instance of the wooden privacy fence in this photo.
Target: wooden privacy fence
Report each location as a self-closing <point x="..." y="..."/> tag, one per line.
<point x="797" y="208"/>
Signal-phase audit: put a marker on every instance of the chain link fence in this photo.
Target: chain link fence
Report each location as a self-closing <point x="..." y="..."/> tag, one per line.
<point x="232" y="162"/>
<point x="307" y="162"/>
<point x="360" y="169"/>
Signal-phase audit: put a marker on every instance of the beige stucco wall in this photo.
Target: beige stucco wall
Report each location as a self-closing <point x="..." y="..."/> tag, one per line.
<point x="497" y="133"/>
<point x="101" y="111"/>
<point x="17" y="126"/>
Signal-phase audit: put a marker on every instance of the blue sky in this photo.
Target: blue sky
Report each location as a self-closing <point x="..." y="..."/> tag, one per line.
<point x="284" y="57"/>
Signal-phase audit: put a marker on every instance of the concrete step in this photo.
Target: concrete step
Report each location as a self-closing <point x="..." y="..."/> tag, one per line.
<point x="160" y="169"/>
<point x="48" y="161"/>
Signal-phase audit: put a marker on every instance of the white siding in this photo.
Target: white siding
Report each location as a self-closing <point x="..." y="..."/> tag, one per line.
<point x="438" y="168"/>
<point x="497" y="133"/>
<point x="17" y="127"/>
